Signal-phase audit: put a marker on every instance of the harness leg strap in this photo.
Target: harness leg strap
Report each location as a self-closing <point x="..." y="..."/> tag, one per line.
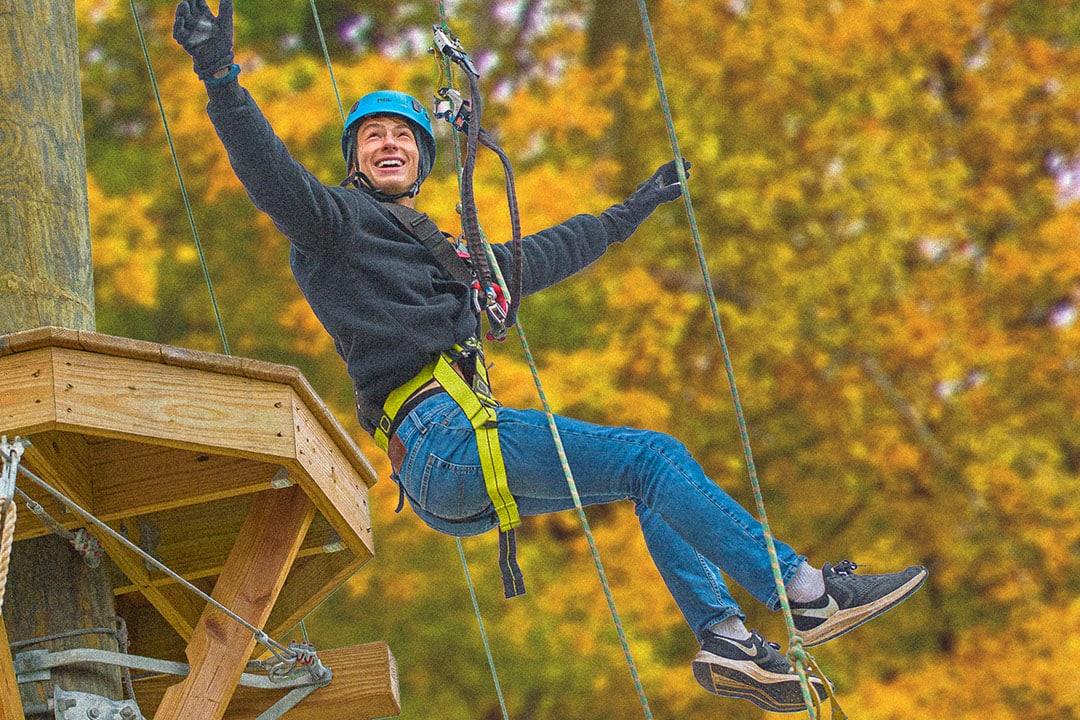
<point x="484" y="420"/>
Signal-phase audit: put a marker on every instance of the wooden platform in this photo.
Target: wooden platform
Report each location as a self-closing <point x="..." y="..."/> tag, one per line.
<point x="179" y="450"/>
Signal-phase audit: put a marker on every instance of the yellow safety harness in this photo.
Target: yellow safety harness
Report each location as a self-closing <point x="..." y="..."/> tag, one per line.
<point x="479" y="406"/>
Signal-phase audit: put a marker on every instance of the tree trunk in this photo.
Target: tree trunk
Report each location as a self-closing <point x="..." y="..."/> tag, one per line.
<point x="46" y="278"/>
<point x="52" y="591"/>
<point x="46" y="275"/>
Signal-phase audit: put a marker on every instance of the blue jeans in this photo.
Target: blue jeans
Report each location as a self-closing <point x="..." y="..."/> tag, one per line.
<point x="692" y="528"/>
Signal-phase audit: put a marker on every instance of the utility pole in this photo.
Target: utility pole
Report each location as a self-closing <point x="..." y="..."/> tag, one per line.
<point x="46" y="278"/>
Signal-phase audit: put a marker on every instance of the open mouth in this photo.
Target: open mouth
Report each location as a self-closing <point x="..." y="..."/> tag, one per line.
<point x="390" y="163"/>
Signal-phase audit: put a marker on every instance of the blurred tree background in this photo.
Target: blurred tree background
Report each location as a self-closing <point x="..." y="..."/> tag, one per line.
<point x="889" y="197"/>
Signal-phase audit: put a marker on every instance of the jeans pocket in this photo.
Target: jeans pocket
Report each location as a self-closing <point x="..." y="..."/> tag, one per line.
<point x="451" y="491"/>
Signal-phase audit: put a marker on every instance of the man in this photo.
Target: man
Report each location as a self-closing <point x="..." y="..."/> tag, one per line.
<point x="396" y="312"/>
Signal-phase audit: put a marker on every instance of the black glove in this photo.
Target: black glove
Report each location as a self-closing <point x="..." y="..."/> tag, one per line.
<point x="207" y="39"/>
<point x="622" y="220"/>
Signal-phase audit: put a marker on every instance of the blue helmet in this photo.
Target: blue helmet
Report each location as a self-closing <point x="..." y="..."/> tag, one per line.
<point x="391" y="102"/>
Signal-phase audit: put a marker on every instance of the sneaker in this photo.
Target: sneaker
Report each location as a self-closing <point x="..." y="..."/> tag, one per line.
<point x="753" y="670"/>
<point x="850" y="600"/>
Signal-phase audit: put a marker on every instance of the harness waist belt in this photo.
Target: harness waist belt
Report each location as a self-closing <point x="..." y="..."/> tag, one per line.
<point x="407" y="407"/>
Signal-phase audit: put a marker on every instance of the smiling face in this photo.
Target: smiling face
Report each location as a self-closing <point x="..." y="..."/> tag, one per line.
<point x="387" y="153"/>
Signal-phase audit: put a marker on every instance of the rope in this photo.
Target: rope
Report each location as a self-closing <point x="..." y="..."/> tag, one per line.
<point x="10" y="455"/>
<point x="180" y="178"/>
<point x="585" y="526"/>
<point x="639" y="688"/>
<point x="461" y="551"/>
<point x="796" y="651"/>
<point x="283" y="654"/>
<point x="6" y="540"/>
<point x="326" y="56"/>
<point x="483" y="632"/>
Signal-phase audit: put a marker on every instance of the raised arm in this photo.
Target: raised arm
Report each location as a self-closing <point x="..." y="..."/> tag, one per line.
<point x="303" y="208"/>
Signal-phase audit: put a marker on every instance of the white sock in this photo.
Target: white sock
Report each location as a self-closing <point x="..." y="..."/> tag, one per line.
<point x="806" y="584"/>
<point x="731" y="628"/>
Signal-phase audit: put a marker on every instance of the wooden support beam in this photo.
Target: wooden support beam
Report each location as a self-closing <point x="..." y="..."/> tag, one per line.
<point x="10" y="703"/>
<point x="365" y="686"/>
<point x="179" y="607"/>
<point x="249" y="585"/>
<point x="329" y="480"/>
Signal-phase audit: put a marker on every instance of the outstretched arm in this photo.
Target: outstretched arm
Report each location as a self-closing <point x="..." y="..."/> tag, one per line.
<point x="623" y="219"/>
<point x="556" y="253"/>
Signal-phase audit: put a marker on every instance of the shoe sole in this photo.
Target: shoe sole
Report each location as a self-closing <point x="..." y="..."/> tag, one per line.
<point x="746" y="681"/>
<point x="844" y="621"/>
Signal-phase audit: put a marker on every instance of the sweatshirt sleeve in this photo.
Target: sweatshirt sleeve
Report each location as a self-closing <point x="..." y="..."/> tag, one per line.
<point x="556" y="253"/>
<point x="302" y="207"/>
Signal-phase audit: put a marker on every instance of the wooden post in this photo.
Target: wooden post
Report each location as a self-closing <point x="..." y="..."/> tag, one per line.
<point x="10" y="702"/>
<point x="248" y="585"/>
<point x="46" y="278"/>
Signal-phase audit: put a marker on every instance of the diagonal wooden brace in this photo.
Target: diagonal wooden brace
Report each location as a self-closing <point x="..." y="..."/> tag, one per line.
<point x="248" y="585"/>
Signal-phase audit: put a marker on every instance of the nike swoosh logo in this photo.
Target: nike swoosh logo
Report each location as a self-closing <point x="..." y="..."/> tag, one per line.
<point x="756" y="652"/>
<point x="822" y="613"/>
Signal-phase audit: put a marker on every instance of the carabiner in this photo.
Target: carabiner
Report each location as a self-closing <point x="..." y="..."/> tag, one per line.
<point x="448" y="44"/>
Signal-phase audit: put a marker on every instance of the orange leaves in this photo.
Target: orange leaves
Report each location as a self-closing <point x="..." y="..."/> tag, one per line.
<point x="898" y="278"/>
<point x="1026" y="671"/>
<point x="306" y="332"/>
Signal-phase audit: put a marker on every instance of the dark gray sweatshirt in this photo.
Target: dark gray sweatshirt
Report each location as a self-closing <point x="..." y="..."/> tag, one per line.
<point x="377" y="290"/>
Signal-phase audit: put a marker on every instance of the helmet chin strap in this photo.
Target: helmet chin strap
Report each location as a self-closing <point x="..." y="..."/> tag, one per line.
<point x="363" y="182"/>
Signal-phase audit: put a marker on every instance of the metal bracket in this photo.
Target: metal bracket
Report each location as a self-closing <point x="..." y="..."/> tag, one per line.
<point x="70" y="705"/>
<point x="453" y="108"/>
<point x="281" y="479"/>
<point x="333" y="544"/>
<point x="149" y="541"/>
<point x="12" y="452"/>
<point x="88" y="546"/>
<point x="36" y="665"/>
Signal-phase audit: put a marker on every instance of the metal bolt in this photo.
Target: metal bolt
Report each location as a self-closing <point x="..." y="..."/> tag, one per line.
<point x="126" y="712"/>
<point x="93" y="713"/>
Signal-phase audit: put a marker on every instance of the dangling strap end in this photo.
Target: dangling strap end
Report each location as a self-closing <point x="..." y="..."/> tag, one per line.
<point x="512" y="578"/>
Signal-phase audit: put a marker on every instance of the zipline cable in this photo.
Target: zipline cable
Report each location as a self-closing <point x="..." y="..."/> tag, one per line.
<point x="326" y="56"/>
<point x="483" y="631"/>
<point x="583" y="519"/>
<point x="67" y="502"/>
<point x="180" y="178"/>
<point x="799" y="655"/>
